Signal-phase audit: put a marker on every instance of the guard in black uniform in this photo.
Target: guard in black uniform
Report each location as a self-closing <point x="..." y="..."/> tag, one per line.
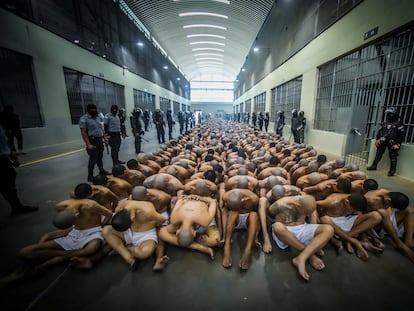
<point x="158" y="119"/>
<point x="280" y="122"/>
<point x="296" y="126"/>
<point x="136" y="127"/>
<point x="390" y="135"/>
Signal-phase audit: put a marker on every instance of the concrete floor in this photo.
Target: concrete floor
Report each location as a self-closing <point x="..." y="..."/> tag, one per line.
<point x="191" y="280"/>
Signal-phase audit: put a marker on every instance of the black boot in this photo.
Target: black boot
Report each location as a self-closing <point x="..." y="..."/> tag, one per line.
<point x="393" y="167"/>
<point x="373" y="167"/>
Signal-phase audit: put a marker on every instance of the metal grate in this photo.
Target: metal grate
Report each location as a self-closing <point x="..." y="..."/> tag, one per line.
<point x="286" y="97"/>
<point x="368" y="80"/>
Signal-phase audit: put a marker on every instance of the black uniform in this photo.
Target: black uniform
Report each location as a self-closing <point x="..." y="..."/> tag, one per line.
<point x="266" y="121"/>
<point x="280" y="123"/>
<point x="137" y="130"/>
<point x="181" y="120"/>
<point x="296" y="126"/>
<point x="158" y="119"/>
<point x="390" y="135"/>
<point x="254" y="119"/>
<point x="146" y="118"/>
<point x="170" y="123"/>
<point x="260" y="120"/>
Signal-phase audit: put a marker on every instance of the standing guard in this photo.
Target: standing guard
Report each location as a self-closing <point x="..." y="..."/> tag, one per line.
<point x="390" y="135"/>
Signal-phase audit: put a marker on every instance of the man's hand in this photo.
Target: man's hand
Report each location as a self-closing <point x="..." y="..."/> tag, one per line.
<point x="377" y="143"/>
<point x="395" y="147"/>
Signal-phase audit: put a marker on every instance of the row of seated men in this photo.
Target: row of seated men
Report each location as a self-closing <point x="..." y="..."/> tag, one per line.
<point x="220" y="177"/>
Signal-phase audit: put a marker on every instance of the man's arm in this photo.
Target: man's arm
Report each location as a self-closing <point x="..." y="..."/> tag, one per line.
<point x="84" y="133"/>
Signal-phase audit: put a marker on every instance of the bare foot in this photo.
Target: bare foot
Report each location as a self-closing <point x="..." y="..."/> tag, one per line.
<point x="220" y="243"/>
<point x="316" y="263"/>
<point x="227" y="261"/>
<point x="349" y="248"/>
<point x="133" y="265"/>
<point x="257" y="244"/>
<point x="267" y="246"/>
<point x="371" y="247"/>
<point x="244" y="262"/>
<point x="320" y="253"/>
<point x="338" y="245"/>
<point x="81" y="263"/>
<point x="12" y="277"/>
<point x="300" y="265"/>
<point x="209" y="251"/>
<point x="376" y="242"/>
<point x="161" y="263"/>
<point x="361" y="253"/>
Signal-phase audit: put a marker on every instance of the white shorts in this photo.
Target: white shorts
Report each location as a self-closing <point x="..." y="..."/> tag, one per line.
<point x="303" y="233"/>
<point x="242" y="222"/>
<point x="137" y="238"/>
<point x="167" y="218"/>
<point x="202" y="230"/>
<point x="398" y="228"/>
<point x="345" y="222"/>
<point x="77" y="239"/>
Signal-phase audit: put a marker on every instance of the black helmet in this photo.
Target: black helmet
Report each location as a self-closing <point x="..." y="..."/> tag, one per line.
<point x="391" y="110"/>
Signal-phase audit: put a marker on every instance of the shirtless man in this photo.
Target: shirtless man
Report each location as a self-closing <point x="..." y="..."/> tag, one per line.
<point x="138" y="237"/>
<point x="275" y="193"/>
<point x="166" y="182"/>
<point x="310" y="179"/>
<point x="82" y="239"/>
<point x="177" y="171"/>
<point x="344" y="213"/>
<point x="192" y="224"/>
<point x="242" y="207"/>
<point x="397" y="218"/>
<point x="134" y="177"/>
<point x="291" y="229"/>
<point x="161" y="201"/>
<point x="321" y="190"/>
<point x="119" y="186"/>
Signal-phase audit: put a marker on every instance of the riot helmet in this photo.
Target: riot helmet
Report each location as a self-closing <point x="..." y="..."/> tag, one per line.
<point x="294" y="113"/>
<point x="391" y="114"/>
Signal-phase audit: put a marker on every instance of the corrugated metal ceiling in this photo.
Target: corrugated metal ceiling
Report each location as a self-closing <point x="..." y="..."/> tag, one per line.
<point x="236" y="34"/>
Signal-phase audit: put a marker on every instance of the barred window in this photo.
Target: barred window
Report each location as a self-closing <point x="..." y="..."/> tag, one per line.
<point x="144" y="100"/>
<point x="260" y="102"/>
<point x="165" y="104"/>
<point x="377" y="76"/>
<point x="286" y="97"/>
<point x="83" y="89"/>
<point x="17" y="87"/>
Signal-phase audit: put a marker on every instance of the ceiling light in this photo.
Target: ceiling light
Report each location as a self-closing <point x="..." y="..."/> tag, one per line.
<point x="207" y="42"/>
<point x="223" y="1"/>
<point x="165" y="67"/>
<point x="204" y="14"/>
<point x="243" y="69"/>
<point x="206" y="35"/>
<point x="256" y="49"/>
<point x="204" y="25"/>
<point x="208" y="54"/>
<point x="210" y="49"/>
<point x="140" y="43"/>
<point x="208" y="58"/>
<point x="209" y="62"/>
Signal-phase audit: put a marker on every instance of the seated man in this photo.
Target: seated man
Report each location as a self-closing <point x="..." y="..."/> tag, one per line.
<point x="166" y="182"/>
<point x="134" y="177"/>
<point x="242" y="214"/>
<point x="177" y="171"/>
<point x="119" y="186"/>
<point x="397" y="218"/>
<point x="310" y="179"/>
<point x="80" y="237"/>
<point x="321" y="190"/>
<point x="343" y="212"/>
<point x="161" y="201"/>
<point x="192" y="224"/>
<point x="290" y="228"/>
<point x="133" y="232"/>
